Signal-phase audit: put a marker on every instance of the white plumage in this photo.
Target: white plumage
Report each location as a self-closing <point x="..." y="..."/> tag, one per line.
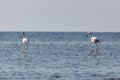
<point x="25" y="40"/>
<point x="94" y="40"/>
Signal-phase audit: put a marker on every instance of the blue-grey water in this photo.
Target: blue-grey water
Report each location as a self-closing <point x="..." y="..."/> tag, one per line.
<point x="59" y="56"/>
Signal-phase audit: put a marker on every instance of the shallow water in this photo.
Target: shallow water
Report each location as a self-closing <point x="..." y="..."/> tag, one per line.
<point x="59" y="56"/>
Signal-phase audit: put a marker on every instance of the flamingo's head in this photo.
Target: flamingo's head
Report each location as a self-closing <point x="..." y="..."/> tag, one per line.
<point x="89" y="34"/>
<point x="23" y="33"/>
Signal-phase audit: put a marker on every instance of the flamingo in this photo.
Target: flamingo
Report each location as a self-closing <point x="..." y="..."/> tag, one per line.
<point x="24" y="39"/>
<point x="94" y="40"/>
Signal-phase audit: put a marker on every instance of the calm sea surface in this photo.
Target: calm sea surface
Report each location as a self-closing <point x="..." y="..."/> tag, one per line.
<point x="59" y="56"/>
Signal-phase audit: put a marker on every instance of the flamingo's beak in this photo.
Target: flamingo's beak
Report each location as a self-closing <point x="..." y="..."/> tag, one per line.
<point x="86" y="35"/>
<point x="23" y="33"/>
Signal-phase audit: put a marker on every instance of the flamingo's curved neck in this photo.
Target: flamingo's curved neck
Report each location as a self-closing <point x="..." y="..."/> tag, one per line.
<point x="90" y="36"/>
<point x="23" y="35"/>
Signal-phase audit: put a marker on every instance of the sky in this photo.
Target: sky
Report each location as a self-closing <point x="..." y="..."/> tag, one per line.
<point x="60" y="15"/>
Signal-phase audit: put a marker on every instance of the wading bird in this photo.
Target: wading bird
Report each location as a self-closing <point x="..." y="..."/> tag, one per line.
<point x="25" y="40"/>
<point x="94" y="40"/>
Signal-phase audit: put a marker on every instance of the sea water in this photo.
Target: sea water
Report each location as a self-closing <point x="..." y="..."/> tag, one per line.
<point x="59" y="56"/>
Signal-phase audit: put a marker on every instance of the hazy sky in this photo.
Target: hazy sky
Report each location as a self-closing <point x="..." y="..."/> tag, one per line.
<point x="60" y="15"/>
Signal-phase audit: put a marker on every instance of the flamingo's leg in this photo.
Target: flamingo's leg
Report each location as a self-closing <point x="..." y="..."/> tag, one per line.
<point x="96" y="48"/>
